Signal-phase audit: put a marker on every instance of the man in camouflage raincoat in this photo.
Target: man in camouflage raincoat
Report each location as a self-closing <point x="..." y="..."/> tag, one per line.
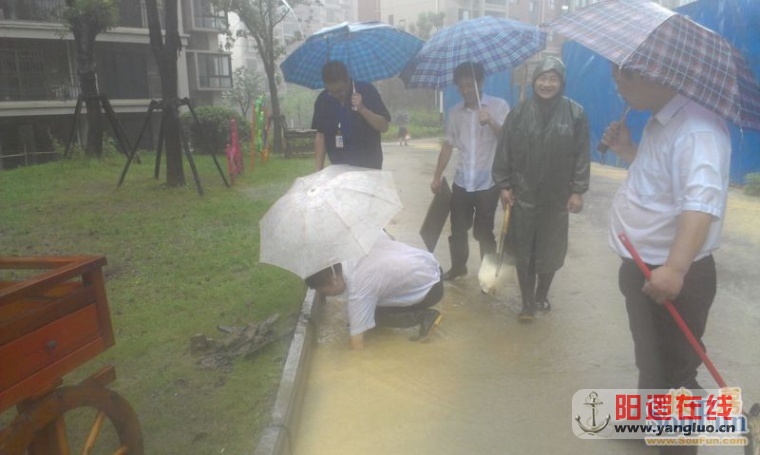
<point x="542" y="170"/>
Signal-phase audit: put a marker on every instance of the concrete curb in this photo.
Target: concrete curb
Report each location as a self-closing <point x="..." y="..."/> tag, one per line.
<point x="277" y="438"/>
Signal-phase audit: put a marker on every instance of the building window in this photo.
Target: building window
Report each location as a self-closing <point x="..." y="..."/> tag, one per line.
<point x="498" y="14"/>
<point x="124" y="74"/>
<point x="135" y="14"/>
<point x="32" y="10"/>
<point x="464" y="14"/>
<point x="214" y="71"/>
<point x="206" y="16"/>
<point x="22" y="75"/>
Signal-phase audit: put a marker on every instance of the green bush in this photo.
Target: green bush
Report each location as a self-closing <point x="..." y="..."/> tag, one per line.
<point x="214" y="130"/>
<point x="752" y="184"/>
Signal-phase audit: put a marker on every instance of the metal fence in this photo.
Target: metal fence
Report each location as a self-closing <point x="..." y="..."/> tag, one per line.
<point x="26" y="158"/>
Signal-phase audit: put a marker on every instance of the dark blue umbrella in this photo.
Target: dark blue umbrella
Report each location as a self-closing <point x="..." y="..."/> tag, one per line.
<point x="370" y="50"/>
<point x="498" y="44"/>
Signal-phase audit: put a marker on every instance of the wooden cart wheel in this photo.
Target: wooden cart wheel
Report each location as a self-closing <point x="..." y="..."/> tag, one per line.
<point x="40" y="427"/>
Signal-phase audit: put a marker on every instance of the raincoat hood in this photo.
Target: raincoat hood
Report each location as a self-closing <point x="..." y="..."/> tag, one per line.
<point x="550" y="64"/>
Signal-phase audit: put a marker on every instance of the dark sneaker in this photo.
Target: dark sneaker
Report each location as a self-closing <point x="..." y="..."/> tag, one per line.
<point x="527" y="313"/>
<point x="543" y="307"/>
<point x="430" y="320"/>
<point x="454" y="273"/>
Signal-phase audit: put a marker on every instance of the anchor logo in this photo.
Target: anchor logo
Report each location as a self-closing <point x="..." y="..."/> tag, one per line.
<point x="593" y="402"/>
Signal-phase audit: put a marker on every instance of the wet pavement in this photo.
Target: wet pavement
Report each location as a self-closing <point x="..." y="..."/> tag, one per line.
<point x="486" y="384"/>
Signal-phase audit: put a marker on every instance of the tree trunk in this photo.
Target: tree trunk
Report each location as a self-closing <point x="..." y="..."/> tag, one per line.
<point x="275" y="107"/>
<point x="175" y="174"/>
<point x="166" y="54"/>
<point x="84" y="39"/>
<point x="277" y="120"/>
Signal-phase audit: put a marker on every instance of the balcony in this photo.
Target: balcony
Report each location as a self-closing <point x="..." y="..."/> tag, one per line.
<point x="132" y="13"/>
<point x="32" y="10"/>
<point x="34" y="74"/>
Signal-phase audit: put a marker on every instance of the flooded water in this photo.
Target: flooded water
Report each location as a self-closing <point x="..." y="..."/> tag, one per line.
<point x="486" y="384"/>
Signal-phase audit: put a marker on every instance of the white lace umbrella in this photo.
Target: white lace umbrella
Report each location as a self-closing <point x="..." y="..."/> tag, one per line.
<point x="328" y="217"/>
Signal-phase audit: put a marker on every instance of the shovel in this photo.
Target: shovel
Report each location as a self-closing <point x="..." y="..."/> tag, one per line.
<point x="753" y="417"/>
<point x="491" y="264"/>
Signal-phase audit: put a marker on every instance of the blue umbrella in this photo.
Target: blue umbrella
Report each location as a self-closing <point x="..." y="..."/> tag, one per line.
<point x="370" y="50"/>
<point x="498" y="44"/>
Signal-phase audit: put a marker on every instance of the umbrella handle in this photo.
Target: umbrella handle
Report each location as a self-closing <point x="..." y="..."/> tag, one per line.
<point x="353" y="88"/>
<point x="602" y="148"/>
<point x="673" y="312"/>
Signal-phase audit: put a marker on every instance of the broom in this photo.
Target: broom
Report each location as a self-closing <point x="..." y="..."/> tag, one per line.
<point x="753" y="417"/>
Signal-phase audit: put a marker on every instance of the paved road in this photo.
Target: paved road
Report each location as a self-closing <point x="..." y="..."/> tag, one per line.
<point x="486" y="384"/>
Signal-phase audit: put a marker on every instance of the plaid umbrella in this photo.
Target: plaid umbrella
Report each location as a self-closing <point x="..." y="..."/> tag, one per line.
<point x="498" y="44"/>
<point x="670" y="49"/>
<point x="370" y="50"/>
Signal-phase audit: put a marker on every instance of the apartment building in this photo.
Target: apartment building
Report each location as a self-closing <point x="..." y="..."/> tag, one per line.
<point x="209" y="68"/>
<point x="38" y="72"/>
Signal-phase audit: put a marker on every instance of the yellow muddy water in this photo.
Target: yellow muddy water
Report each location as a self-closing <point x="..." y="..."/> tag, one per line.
<point x="486" y="384"/>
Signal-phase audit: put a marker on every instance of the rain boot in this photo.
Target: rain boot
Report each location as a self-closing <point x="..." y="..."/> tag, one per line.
<point x="527" y="281"/>
<point x="542" y="292"/>
<point x="459" y="250"/>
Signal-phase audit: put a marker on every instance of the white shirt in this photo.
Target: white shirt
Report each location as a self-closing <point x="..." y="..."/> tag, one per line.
<point x="476" y="143"/>
<point x="391" y="274"/>
<point x="682" y="164"/>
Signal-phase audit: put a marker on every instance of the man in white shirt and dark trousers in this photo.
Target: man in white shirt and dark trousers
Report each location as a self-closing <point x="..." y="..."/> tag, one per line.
<point x="392" y="286"/>
<point x="671" y="206"/>
<point x="473" y="127"/>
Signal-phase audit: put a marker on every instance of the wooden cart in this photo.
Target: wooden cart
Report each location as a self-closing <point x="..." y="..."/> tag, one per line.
<point x="54" y="317"/>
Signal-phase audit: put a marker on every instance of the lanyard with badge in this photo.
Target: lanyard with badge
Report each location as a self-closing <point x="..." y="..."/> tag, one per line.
<point x="343" y="125"/>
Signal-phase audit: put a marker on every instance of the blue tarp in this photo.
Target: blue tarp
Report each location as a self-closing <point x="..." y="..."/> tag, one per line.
<point x="589" y="80"/>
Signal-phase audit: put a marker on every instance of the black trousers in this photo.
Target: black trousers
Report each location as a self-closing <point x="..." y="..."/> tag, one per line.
<point x="408" y="316"/>
<point x="475" y="209"/>
<point x="534" y="287"/>
<point x="664" y="356"/>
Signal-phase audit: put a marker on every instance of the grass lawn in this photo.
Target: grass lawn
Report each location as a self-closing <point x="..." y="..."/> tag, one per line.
<point x="178" y="264"/>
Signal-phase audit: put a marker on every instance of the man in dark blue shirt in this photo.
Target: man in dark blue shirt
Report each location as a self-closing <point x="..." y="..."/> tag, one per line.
<point x="349" y="117"/>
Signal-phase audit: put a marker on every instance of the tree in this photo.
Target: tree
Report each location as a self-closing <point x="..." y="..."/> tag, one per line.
<point x="298" y="105"/>
<point x="166" y="50"/>
<point x="260" y="18"/>
<point x="246" y="85"/>
<point x="86" y="19"/>
<point x="427" y="24"/>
